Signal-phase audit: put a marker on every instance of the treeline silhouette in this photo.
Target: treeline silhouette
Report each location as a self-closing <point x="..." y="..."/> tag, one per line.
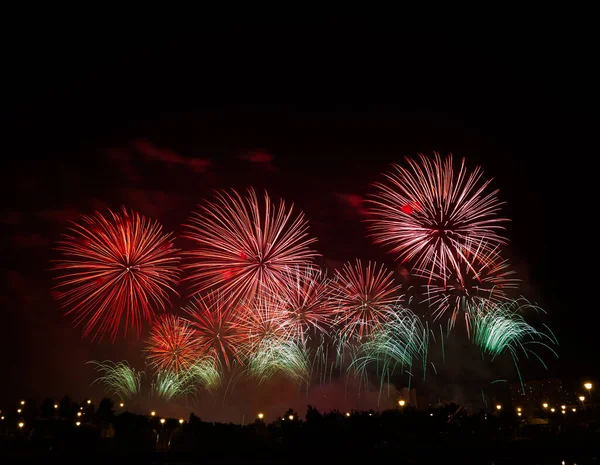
<point x="87" y="434"/>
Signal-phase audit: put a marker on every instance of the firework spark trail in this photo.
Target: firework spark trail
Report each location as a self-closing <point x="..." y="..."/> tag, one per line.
<point x="435" y="216"/>
<point x="400" y="341"/>
<point x="172" y="345"/>
<point x="280" y="356"/>
<point x="207" y="373"/>
<point x="499" y="327"/>
<point x="488" y="279"/>
<point x="118" y="378"/>
<point x="219" y="328"/>
<point x="168" y="385"/>
<point x="238" y="250"/>
<point x="305" y="302"/>
<point x="116" y="269"/>
<point x="362" y="297"/>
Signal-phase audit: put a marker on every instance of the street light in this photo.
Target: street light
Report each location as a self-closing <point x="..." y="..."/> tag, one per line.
<point x="152" y="413"/>
<point x="291" y="417"/>
<point x="553" y="410"/>
<point x="18" y="410"/>
<point x="574" y="410"/>
<point x="78" y="414"/>
<point x="77" y="423"/>
<point x="181" y="421"/>
<point x="563" y="407"/>
<point x="21" y="424"/>
<point x="519" y="409"/>
<point x="498" y="407"/>
<point x="261" y="416"/>
<point x="581" y="398"/>
<point x="588" y="386"/>
<point x="121" y="405"/>
<point x="162" y="421"/>
<point x="545" y="405"/>
<point x="401" y="402"/>
<point x="519" y="413"/>
<point x="89" y="401"/>
<point x="55" y="405"/>
<point x="23" y="402"/>
<point x="347" y="414"/>
<point x="1" y="418"/>
<point x="563" y="411"/>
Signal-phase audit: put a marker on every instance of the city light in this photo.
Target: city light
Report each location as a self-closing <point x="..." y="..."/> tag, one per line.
<point x="55" y="405"/>
<point x="519" y="409"/>
<point x="1" y="418"/>
<point x="77" y="423"/>
<point x="347" y="414"/>
<point x="519" y="413"/>
<point x="553" y="410"/>
<point x="581" y="398"/>
<point x="545" y="405"/>
<point x="431" y="414"/>
<point x="498" y="407"/>
<point x="121" y="405"/>
<point x="21" y="424"/>
<point x="291" y="417"/>
<point x="181" y="421"/>
<point x="261" y="416"/>
<point x="162" y="421"/>
<point x="152" y="413"/>
<point x="563" y="412"/>
<point x="563" y="407"/>
<point x="401" y="402"/>
<point x="18" y="410"/>
<point x="588" y="386"/>
<point x="78" y="414"/>
<point x="574" y="410"/>
<point x="23" y="402"/>
<point x="89" y="401"/>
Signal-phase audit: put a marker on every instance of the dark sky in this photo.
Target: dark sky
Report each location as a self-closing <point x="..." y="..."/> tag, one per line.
<point x="96" y="121"/>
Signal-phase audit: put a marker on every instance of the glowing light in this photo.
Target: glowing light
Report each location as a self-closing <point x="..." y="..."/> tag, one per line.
<point x="519" y="413"/>
<point x="291" y="417"/>
<point x="401" y="403"/>
<point x="77" y="423"/>
<point x="152" y="413"/>
<point x="431" y="414"/>
<point x="553" y="410"/>
<point x="239" y="250"/>
<point x="581" y="398"/>
<point x="498" y="407"/>
<point x="435" y="216"/>
<point x="55" y="405"/>
<point x="519" y="409"/>
<point x="563" y="412"/>
<point x="181" y="421"/>
<point x="78" y="414"/>
<point x="18" y="410"/>
<point x="563" y="407"/>
<point x="22" y="402"/>
<point x="121" y="405"/>
<point x="588" y="386"/>
<point x="2" y="418"/>
<point x="347" y="414"/>
<point x="89" y="402"/>
<point x="545" y="405"/>
<point x="162" y="421"/>
<point x="21" y="424"/>
<point x="116" y="270"/>
<point x="574" y="410"/>
<point x="261" y="416"/>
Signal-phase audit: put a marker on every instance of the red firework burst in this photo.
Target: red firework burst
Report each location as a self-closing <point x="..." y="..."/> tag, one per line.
<point x="434" y="215"/>
<point x="489" y="279"/>
<point x="266" y="319"/>
<point x="305" y="302"/>
<point x="116" y="269"/>
<point x="240" y="250"/>
<point x="363" y="297"/>
<point x="172" y="345"/>
<point x="218" y="328"/>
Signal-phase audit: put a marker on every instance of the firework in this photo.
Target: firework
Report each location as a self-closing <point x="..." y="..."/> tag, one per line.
<point x="362" y="297"/>
<point x="206" y="373"/>
<point x="279" y="356"/>
<point x="168" y="385"/>
<point x="304" y="301"/>
<point x="116" y="270"/>
<point x="218" y="328"/>
<point x="488" y="280"/>
<point x="238" y="250"/>
<point x="398" y="342"/>
<point x="118" y="378"/>
<point x="172" y="345"/>
<point x="498" y="328"/>
<point x="435" y="216"/>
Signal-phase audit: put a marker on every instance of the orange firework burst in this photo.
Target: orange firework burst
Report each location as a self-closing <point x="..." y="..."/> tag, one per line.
<point x="172" y="346"/>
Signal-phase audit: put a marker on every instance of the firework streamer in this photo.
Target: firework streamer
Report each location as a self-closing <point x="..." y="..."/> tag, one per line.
<point x="118" y="378"/>
<point x="116" y="270"/>
<point x="172" y="345"/>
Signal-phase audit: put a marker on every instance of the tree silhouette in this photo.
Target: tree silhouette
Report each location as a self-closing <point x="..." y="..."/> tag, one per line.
<point x="105" y="411"/>
<point x="47" y="408"/>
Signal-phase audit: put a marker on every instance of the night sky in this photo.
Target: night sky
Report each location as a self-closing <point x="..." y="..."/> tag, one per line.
<point x="311" y="115"/>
